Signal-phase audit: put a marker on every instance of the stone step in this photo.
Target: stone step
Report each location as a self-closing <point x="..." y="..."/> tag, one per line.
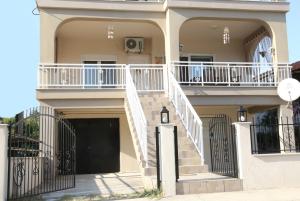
<point x="185" y="170"/>
<point x="187" y="154"/>
<point x="192" y="169"/>
<point x="196" y="184"/>
<point x="189" y="161"/>
<point x="185" y="146"/>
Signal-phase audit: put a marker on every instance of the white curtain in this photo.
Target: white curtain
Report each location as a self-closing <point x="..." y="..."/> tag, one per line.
<point x="258" y="41"/>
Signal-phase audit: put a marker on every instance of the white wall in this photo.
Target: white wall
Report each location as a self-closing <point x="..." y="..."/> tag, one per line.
<point x="268" y="170"/>
<point x="3" y="161"/>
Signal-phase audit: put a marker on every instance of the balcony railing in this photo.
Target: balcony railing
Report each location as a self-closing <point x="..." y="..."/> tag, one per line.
<point x="81" y="76"/>
<point x="146" y="77"/>
<point x="230" y="74"/>
<point x="153" y="77"/>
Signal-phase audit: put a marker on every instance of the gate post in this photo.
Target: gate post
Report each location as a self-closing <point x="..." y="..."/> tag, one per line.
<point x="167" y="158"/>
<point x="3" y="161"/>
<point x="243" y="144"/>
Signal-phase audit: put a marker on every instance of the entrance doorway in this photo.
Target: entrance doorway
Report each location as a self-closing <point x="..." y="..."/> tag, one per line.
<point x="97" y="145"/>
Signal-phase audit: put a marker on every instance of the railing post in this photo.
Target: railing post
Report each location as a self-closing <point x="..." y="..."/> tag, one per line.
<point x="258" y="74"/>
<point x="3" y="161"/>
<point x="123" y="78"/>
<point x="202" y="74"/>
<point x="228" y="74"/>
<point x="166" y="78"/>
<point x="83" y="75"/>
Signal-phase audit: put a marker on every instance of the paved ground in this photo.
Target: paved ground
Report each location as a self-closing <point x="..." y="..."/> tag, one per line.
<point x="102" y="184"/>
<point x="287" y="194"/>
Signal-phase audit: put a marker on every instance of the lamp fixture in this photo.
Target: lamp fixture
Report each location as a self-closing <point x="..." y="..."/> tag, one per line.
<point x="242" y="114"/>
<point x="110" y="32"/>
<point x="226" y="36"/>
<point x="263" y="53"/>
<point x="270" y="51"/>
<point x="181" y="47"/>
<point x="164" y="115"/>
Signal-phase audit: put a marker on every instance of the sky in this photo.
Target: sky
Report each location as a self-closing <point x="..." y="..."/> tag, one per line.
<point x="19" y="50"/>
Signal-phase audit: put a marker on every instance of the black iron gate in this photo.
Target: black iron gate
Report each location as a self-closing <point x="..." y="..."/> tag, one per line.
<point x="41" y="153"/>
<point x="223" y="146"/>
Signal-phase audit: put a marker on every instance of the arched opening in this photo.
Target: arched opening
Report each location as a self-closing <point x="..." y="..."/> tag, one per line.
<point x="105" y="41"/>
<point x="224" y="52"/>
<point x="93" y="53"/>
<point x="224" y="40"/>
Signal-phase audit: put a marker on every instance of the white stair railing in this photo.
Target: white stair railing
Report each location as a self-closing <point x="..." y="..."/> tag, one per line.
<point x="137" y="113"/>
<point x="187" y="114"/>
<point x="148" y="77"/>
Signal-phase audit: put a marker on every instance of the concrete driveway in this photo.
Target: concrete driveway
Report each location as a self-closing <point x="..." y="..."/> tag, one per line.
<point x="284" y="194"/>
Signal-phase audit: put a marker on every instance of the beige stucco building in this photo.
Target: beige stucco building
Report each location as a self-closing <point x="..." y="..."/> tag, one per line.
<point x="118" y="62"/>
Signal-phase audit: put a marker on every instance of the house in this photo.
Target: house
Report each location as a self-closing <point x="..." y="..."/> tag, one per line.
<point x="109" y="67"/>
<point x="296" y="70"/>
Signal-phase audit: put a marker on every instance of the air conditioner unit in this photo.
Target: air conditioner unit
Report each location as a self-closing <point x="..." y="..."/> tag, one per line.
<point x="134" y="45"/>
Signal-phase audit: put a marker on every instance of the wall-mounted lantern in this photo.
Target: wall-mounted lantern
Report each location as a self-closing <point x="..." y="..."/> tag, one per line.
<point x="164" y="115"/>
<point x="242" y="114"/>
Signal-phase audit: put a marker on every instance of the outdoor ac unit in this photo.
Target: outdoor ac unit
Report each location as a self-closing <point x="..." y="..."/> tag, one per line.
<point x="134" y="45"/>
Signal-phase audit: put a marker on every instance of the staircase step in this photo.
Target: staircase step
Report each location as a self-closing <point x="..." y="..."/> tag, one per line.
<point x="189" y="161"/>
<point x="187" y="154"/>
<point x="197" y="184"/>
<point x="192" y="169"/>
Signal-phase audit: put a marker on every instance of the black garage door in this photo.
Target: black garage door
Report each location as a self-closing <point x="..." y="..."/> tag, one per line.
<point x="97" y="145"/>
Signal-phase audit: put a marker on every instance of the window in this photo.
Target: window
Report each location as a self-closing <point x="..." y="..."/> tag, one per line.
<point x="97" y="75"/>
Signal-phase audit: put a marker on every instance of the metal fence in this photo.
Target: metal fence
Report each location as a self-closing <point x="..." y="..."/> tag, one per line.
<point x="41" y="154"/>
<point x="276" y="136"/>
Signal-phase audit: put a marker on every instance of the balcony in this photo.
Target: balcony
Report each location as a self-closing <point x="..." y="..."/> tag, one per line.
<point x="231" y="74"/>
<point x="147" y="77"/>
<point x="152" y="77"/>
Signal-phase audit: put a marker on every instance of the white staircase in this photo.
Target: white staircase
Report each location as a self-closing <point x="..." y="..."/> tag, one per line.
<point x="189" y="160"/>
<point x="143" y="113"/>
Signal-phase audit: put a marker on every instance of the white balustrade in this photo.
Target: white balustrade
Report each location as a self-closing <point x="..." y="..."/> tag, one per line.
<point x="81" y="76"/>
<point x="187" y="114"/>
<point x="137" y="113"/>
<point x="230" y="73"/>
<point x="148" y="77"/>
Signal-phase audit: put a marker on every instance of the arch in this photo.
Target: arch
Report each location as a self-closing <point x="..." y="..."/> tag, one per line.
<point x="67" y="20"/>
<point x="83" y="29"/>
<point x="211" y="29"/>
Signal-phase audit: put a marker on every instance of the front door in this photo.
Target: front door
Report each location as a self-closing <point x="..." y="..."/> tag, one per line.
<point x="98" y="145"/>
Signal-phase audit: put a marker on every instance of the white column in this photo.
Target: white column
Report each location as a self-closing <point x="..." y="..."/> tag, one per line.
<point x="167" y="159"/>
<point x="243" y="146"/>
<point x="174" y="20"/>
<point x="3" y="161"/>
